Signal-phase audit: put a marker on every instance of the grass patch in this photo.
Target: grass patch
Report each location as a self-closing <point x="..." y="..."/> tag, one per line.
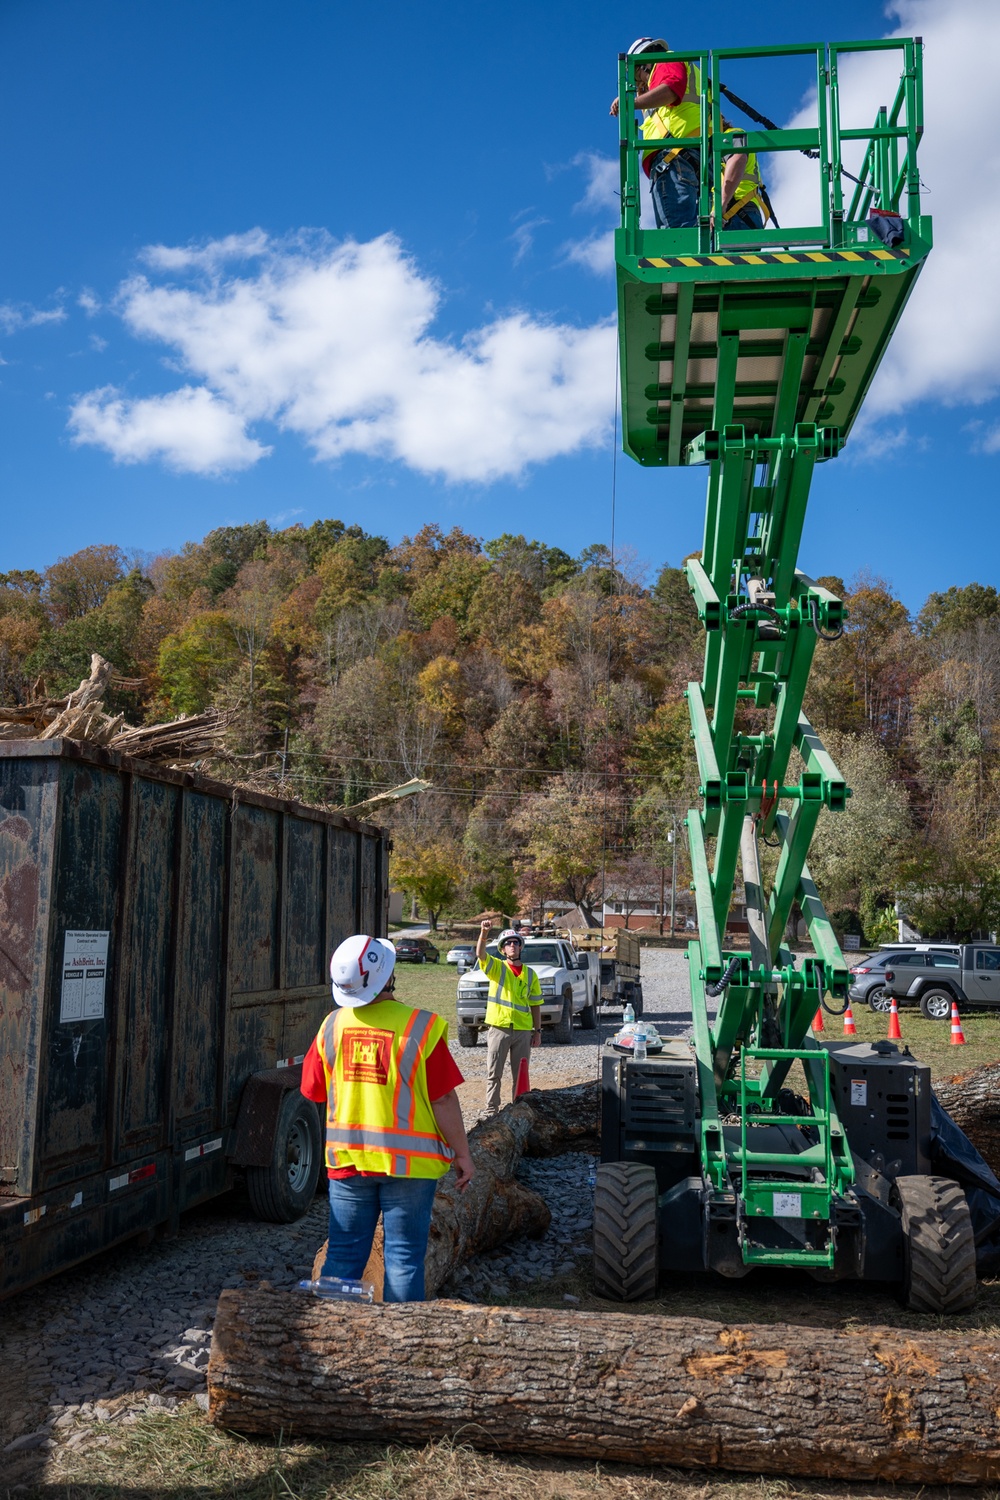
<point x="183" y="1458"/>
<point x="930" y="1041"/>
<point x="431" y="987"/>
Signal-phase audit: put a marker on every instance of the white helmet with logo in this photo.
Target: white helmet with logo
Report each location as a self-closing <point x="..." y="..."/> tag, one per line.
<point x="360" y="968"/>
<point x="509" y="935"/>
<point x="647" y="44"/>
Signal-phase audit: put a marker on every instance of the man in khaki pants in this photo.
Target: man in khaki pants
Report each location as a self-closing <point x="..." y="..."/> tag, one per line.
<point x="513" y="1013"/>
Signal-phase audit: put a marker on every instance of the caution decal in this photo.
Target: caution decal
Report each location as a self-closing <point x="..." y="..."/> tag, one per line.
<point x="777" y="258"/>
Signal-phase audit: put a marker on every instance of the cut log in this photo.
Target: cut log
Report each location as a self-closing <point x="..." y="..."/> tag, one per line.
<point x="973" y="1101"/>
<point x="495" y="1207"/>
<point x="871" y="1403"/>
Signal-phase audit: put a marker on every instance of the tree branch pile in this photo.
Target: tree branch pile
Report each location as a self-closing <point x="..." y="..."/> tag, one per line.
<point x="869" y="1403"/>
<point x="81" y="716"/>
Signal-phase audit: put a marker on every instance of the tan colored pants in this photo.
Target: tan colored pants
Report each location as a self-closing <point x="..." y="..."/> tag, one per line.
<point x="501" y="1044"/>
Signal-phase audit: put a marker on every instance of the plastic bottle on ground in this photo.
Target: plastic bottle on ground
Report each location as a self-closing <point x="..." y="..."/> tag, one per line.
<point x="336" y="1290"/>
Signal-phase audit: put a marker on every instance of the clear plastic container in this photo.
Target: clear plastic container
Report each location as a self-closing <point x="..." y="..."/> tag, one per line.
<point x="336" y="1290"/>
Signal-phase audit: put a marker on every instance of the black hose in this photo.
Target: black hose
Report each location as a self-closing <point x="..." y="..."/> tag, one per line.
<point x="747" y="609"/>
<point x="824" y="635"/>
<point x="723" y="984"/>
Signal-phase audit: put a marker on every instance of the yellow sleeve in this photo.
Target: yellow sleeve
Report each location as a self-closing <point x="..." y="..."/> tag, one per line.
<point x="491" y="967"/>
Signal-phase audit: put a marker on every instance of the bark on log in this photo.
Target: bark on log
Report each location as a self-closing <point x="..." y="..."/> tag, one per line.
<point x="973" y="1101"/>
<point x="495" y="1207"/>
<point x="874" y="1403"/>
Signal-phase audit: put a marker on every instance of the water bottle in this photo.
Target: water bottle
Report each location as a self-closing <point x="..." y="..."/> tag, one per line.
<point x="336" y="1290"/>
<point x="639" y="1046"/>
<point x="628" y="1015"/>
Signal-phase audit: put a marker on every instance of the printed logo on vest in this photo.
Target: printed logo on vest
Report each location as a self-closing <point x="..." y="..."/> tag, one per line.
<point x="366" y="1053"/>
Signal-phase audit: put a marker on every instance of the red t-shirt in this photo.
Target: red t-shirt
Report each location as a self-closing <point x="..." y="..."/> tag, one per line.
<point x="674" y="75"/>
<point x="443" y="1075"/>
<point x="515" y="969"/>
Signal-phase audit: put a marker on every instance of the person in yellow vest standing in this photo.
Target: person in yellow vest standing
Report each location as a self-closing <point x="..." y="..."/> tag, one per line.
<point x="669" y="96"/>
<point x="513" y="1011"/>
<point x="393" y="1121"/>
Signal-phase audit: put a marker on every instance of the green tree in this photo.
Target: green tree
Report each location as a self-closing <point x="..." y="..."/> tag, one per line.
<point x="430" y="871"/>
<point x="196" y="660"/>
<point x="958" y="609"/>
<point x="564" y="832"/>
<point x="855" y="854"/>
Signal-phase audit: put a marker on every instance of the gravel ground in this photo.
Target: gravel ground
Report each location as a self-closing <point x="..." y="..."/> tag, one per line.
<point x="129" y="1331"/>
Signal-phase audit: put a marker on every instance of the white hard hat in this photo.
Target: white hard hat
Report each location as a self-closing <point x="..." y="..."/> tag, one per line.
<point x="647" y="44"/>
<point x="360" y="968"/>
<point x="506" y="936"/>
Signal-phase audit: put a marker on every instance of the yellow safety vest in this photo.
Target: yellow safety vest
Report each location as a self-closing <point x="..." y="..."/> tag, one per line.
<point x="511" y="995"/>
<point x="378" y="1112"/>
<point x="748" y="190"/>
<point x="683" y="118"/>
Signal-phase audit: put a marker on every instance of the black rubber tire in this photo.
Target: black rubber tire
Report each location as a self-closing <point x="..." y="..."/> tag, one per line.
<point x="562" y="1031"/>
<point x="588" y="1017"/>
<point x="436" y="959"/>
<point x="939" y="1248"/>
<point x="626" y="1232"/>
<point x="468" y="1036"/>
<point x="935" y="1005"/>
<point x="282" y="1191"/>
<point x="878" y="1000"/>
<point x="637" y="1000"/>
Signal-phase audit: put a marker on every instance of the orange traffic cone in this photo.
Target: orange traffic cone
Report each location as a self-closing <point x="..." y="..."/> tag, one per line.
<point x="849" y="1027"/>
<point x="957" y="1035"/>
<point x="818" y="1019"/>
<point x="894" y="1034"/>
<point x="522" y="1086"/>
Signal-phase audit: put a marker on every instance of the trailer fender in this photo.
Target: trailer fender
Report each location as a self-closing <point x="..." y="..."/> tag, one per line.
<point x="252" y="1140"/>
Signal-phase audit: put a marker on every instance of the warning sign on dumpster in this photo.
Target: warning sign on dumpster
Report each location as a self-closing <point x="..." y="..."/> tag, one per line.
<point x="85" y="965"/>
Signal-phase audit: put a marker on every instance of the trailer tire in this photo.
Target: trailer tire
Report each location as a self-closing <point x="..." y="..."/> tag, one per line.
<point x="935" y="1005"/>
<point x="562" y="1031"/>
<point x="468" y="1036"/>
<point x="282" y="1191"/>
<point x="637" y="1000"/>
<point x="588" y="1017"/>
<point x="939" y="1247"/>
<point x="626" y="1232"/>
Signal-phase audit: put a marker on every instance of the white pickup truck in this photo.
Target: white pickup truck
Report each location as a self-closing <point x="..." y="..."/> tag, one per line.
<point x="571" y="988"/>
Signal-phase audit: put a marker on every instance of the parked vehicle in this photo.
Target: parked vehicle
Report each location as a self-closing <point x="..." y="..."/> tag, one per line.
<point x="868" y="985"/>
<point x="461" y="953"/>
<point x="163" y="970"/>
<point x="416" y="951"/>
<point x="969" y="974"/>
<point x="618" y="958"/>
<point x="570" y="990"/>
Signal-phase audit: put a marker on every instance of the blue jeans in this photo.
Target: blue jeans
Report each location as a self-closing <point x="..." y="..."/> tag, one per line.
<point x="405" y="1204"/>
<point x="674" y="191"/>
<point x="747" y="218"/>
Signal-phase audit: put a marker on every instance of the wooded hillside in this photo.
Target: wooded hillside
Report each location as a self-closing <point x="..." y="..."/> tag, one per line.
<point x="542" y="696"/>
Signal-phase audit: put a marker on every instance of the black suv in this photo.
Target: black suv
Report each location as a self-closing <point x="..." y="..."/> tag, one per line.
<point x="868" y="974"/>
<point x="416" y="951"/>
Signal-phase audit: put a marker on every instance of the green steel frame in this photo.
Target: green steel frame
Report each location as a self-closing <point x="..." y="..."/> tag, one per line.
<point x="751" y="353"/>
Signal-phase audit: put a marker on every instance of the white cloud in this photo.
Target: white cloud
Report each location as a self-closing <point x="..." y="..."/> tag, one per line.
<point x="206" y="257"/>
<point x="189" y="430"/>
<point x="88" y="302"/>
<point x="15" y="316"/>
<point x="603" y="178"/>
<point x="947" y="346"/>
<point x="595" y="253"/>
<point x="332" y="343"/>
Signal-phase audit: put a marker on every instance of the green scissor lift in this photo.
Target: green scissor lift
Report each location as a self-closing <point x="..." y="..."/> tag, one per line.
<point x="750" y="352"/>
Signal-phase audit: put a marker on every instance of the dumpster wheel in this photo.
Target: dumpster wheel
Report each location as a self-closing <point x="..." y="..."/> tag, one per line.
<point x="939" y="1252"/>
<point x="626" y="1232"/>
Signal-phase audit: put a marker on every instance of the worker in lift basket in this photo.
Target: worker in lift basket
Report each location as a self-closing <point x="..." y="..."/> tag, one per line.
<point x="393" y="1121"/>
<point x="669" y="96"/>
<point x="513" y="1012"/>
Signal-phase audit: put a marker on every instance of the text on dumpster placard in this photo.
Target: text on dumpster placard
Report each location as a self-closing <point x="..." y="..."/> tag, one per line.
<point x="85" y="966"/>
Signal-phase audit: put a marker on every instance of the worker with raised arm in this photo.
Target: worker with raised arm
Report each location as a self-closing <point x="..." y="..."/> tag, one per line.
<point x="393" y="1121"/>
<point x="669" y="96"/>
<point x="513" y="1012"/>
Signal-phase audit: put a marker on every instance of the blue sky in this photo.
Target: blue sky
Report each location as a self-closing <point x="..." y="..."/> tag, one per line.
<point x="428" y="187"/>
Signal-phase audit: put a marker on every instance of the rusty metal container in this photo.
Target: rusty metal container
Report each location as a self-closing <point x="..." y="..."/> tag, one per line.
<point x="164" y="942"/>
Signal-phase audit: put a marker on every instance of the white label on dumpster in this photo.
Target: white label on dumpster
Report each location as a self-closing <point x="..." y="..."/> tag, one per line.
<point x="787" y="1206"/>
<point x="859" y="1092"/>
<point x="85" y="964"/>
